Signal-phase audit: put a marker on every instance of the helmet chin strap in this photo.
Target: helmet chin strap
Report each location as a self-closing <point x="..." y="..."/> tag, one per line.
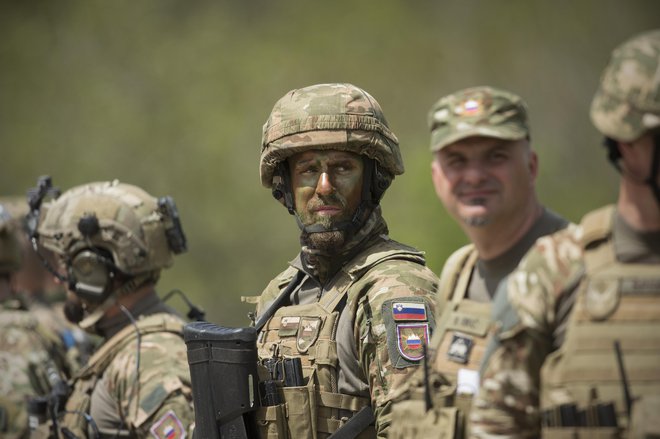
<point x="88" y="323"/>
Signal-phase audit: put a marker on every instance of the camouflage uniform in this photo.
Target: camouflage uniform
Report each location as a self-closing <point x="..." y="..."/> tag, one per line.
<point x="467" y="283"/>
<point x="43" y="297"/>
<point x="358" y="334"/>
<point x="114" y="239"/>
<point x="30" y="357"/>
<point x="581" y="295"/>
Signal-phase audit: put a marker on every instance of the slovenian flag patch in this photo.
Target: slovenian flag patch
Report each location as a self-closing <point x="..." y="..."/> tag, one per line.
<point x="409" y="311"/>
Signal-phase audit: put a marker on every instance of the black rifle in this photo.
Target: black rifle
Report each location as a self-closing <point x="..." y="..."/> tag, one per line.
<point x="223" y="371"/>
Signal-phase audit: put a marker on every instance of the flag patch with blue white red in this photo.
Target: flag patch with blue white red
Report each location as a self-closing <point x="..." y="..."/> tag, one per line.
<point x="168" y="427"/>
<point x="409" y="311"/>
<point x="410" y="337"/>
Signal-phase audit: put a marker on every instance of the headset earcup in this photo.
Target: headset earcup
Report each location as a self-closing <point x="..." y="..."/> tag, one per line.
<point x="90" y="276"/>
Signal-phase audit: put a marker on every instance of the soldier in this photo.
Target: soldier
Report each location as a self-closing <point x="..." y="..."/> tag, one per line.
<point x="355" y="306"/>
<point x="576" y="354"/>
<point x="41" y="292"/>
<point x="32" y="361"/>
<point x="112" y="240"/>
<point x="484" y="172"/>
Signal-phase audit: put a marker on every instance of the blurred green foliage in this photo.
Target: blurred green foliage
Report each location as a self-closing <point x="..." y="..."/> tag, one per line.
<point x="171" y="95"/>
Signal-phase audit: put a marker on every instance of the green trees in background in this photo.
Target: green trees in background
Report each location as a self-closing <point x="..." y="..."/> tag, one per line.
<point x="171" y="95"/>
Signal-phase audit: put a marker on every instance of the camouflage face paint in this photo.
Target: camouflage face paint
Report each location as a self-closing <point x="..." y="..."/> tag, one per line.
<point x="327" y="185"/>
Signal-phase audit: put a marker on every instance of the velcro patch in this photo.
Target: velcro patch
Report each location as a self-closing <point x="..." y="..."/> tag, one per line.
<point x="414" y="311"/>
<point x="168" y="427"/>
<point x="410" y="340"/>
<point x="459" y="348"/>
<point x="288" y="326"/>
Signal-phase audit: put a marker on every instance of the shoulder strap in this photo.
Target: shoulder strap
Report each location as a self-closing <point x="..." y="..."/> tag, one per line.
<point x="456" y="272"/>
<point x="160" y="322"/>
<point x="597" y="225"/>
<point x="597" y="231"/>
<point x="385" y="250"/>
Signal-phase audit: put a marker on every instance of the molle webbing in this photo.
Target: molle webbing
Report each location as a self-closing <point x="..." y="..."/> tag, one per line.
<point x="615" y="302"/>
<point x="308" y="332"/>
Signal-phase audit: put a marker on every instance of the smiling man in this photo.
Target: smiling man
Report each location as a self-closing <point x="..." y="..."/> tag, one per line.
<point x="484" y="172"/>
<point x="354" y="306"/>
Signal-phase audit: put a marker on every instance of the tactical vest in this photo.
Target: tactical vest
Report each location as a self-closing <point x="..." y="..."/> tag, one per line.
<point x="79" y="402"/>
<point x="457" y="348"/>
<point x="615" y="303"/>
<point x="317" y="409"/>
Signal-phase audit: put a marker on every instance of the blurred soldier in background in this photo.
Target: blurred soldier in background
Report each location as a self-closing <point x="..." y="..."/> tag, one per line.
<point x="112" y="240"/>
<point x="32" y="358"/>
<point x="576" y="354"/>
<point x="43" y="295"/>
<point x="484" y="172"/>
<point x="354" y="307"/>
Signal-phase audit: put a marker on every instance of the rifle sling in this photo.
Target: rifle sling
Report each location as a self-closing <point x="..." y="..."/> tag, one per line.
<point x="355" y="425"/>
<point x="279" y="301"/>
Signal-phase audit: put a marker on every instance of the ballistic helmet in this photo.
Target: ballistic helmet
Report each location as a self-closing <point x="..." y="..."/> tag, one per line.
<point x="627" y="102"/>
<point x="115" y="223"/>
<point x="328" y="116"/>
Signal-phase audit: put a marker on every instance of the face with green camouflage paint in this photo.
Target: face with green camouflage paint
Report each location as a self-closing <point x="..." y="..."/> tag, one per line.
<point x="327" y="188"/>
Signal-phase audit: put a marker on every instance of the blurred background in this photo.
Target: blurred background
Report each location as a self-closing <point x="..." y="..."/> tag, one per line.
<point x="171" y="95"/>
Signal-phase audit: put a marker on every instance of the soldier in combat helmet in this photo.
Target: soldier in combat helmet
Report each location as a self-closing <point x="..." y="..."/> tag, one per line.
<point x="484" y="172"/>
<point x="32" y="358"/>
<point x="354" y="306"/>
<point x="112" y="240"/>
<point x="576" y="354"/>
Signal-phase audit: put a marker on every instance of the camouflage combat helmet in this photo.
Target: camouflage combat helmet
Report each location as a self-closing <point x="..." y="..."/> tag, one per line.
<point x="627" y="102"/>
<point x="138" y="230"/>
<point x="328" y="116"/>
<point x="477" y="111"/>
<point x="10" y="250"/>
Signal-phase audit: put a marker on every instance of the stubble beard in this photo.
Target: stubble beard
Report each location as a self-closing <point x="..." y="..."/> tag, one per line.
<point x="477" y="220"/>
<point x="329" y="242"/>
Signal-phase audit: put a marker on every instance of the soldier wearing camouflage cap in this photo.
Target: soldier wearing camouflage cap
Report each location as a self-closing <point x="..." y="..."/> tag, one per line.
<point x="484" y="172"/>
<point x="576" y="353"/>
<point x="112" y="240"/>
<point x="32" y="359"/>
<point x="354" y="306"/>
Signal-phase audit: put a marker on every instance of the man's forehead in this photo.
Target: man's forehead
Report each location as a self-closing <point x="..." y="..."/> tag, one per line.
<point x="323" y="154"/>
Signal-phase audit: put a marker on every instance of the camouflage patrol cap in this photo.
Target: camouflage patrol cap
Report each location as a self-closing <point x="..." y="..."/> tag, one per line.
<point x="477" y="111"/>
<point x="10" y="247"/>
<point x="327" y="116"/>
<point x="130" y="225"/>
<point x="627" y="103"/>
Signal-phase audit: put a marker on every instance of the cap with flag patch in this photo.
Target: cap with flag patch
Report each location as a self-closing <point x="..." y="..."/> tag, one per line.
<point x="477" y="111"/>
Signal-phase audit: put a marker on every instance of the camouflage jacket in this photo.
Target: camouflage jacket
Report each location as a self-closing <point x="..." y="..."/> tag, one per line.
<point x="30" y="359"/>
<point x="375" y="352"/>
<point x="538" y="309"/>
<point x="136" y="384"/>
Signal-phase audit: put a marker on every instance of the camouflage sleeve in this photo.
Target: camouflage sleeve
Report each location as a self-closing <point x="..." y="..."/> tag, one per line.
<point x="526" y="320"/>
<point x="388" y="345"/>
<point x="28" y="362"/>
<point x="156" y="400"/>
